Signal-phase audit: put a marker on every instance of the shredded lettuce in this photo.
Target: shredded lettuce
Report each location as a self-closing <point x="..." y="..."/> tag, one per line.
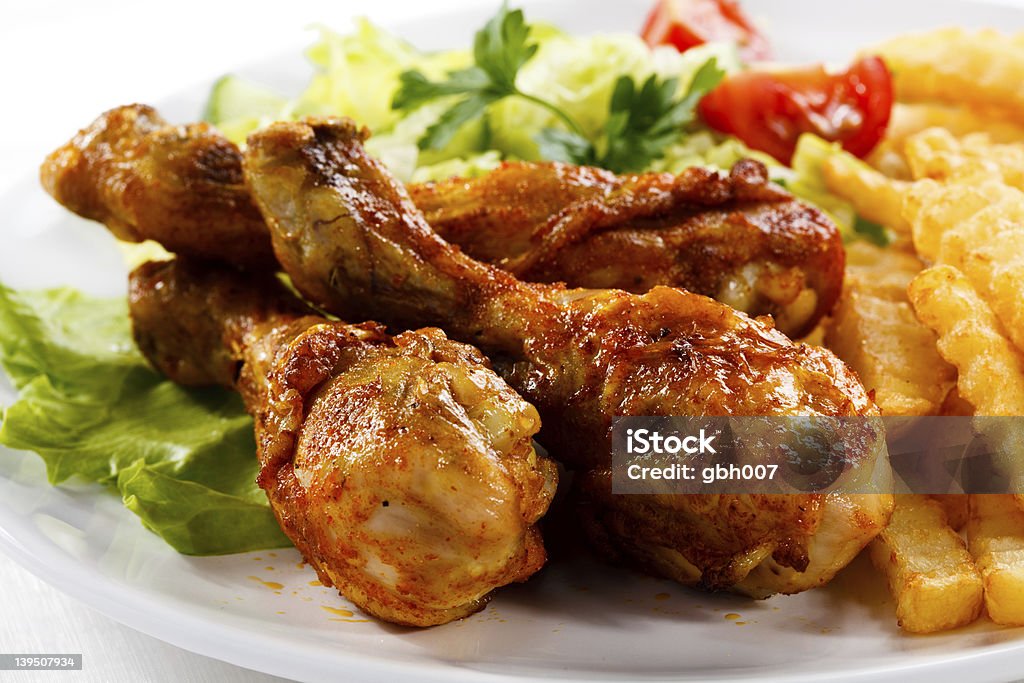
<point x="578" y="73"/>
<point x="357" y="75"/>
<point x="705" y="148"/>
<point x="183" y="460"/>
<point x="467" y="167"/>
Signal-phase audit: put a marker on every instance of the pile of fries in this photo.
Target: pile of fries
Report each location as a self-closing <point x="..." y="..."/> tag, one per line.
<point x="934" y="323"/>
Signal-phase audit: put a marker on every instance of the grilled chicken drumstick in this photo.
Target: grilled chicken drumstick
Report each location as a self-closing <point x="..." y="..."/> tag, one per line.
<point x="736" y="238"/>
<point x="401" y="467"/>
<point x="146" y="180"/>
<point x="586" y="356"/>
<point x="352" y="241"/>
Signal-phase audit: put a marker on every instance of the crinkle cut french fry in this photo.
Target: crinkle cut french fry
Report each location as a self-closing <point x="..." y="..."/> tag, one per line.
<point x="930" y="573"/>
<point x="979" y="68"/>
<point x="932" y="209"/>
<point x="935" y="153"/>
<point x="908" y="119"/>
<point x="959" y="119"/>
<point x="991" y="368"/>
<point x="996" y="269"/>
<point x="995" y="533"/>
<point x="967" y="212"/>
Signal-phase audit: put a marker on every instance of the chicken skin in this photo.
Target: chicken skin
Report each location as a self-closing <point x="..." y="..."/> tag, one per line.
<point x="353" y="242"/>
<point x="737" y="238"/>
<point x="401" y="467"/>
<point x="181" y="186"/>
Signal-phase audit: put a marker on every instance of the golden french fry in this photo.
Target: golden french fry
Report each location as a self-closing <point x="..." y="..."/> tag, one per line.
<point x="874" y="330"/>
<point x="873" y="195"/>
<point x="929" y="571"/>
<point x="954" y="65"/>
<point x="892" y="352"/>
<point x="936" y="153"/>
<point x="881" y="272"/>
<point x="956" y="507"/>
<point x="1004" y="215"/>
<point x="928" y="153"/>
<point x="995" y="535"/>
<point x="910" y="118"/>
<point x="887" y="158"/>
<point x="932" y="209"/>
<point x="991" y="368"/>
<point x="968" y="213"/>
<point x="996" y="269"/>
<point x="988" y="248"/>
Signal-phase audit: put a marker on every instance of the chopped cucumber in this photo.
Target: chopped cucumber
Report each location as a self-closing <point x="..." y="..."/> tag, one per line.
<point x="233" y="99"/>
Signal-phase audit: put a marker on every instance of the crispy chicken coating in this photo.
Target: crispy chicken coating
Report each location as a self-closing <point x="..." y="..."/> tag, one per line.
<point x="737" y="238"/>
<point x="352" y="241"/>
<point x="401" y="467"/>
<point x="178" y="185"/>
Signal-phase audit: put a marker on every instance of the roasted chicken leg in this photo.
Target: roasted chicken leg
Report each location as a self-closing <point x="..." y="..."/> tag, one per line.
<point x="401" y="467"/>
<point x="737" y="238"/>
<point x="144" y="179"/>
<point x="352" y="241"/>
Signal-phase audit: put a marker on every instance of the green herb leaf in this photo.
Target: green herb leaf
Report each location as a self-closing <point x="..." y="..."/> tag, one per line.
<point x="441" y="133"/>
<point x="707" y="78"/>
<point x="415" y="89"/>
<point x="872" y="232"/>
<point x="500" y="48"/>
<point x="557" y="144"/>
<point x="642" y="122"/>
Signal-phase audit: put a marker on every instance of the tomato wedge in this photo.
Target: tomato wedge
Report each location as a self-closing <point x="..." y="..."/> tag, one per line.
<point x="769" y="110"/>
<point x="689" y="23"/>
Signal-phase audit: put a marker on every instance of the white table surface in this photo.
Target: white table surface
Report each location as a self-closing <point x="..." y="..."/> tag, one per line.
<point x="61" y="63"/>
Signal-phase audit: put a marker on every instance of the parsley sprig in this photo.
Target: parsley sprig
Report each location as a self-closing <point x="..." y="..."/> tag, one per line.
<point x="641" y="123"/>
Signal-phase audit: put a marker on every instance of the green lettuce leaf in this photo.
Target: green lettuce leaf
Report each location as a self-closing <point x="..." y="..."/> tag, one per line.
<point x="182" y="459"/>
<point x="357" y="75"/>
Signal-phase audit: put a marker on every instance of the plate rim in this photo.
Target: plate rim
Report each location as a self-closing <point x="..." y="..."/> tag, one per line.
<point x="232" y="643"/>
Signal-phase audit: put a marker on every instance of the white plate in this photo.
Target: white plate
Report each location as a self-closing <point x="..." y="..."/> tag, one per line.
<point x="578" y="619"/>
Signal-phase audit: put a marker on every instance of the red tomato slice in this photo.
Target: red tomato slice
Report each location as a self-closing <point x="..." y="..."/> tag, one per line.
<point x="689" y="23"/>
<point x="769" y="110"/>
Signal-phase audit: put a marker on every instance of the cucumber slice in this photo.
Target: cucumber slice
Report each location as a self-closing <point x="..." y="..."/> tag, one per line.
<point x="233" y="98"/>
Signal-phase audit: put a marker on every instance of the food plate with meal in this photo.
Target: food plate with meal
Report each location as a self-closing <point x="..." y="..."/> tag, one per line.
<point x="366" y="427"/>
